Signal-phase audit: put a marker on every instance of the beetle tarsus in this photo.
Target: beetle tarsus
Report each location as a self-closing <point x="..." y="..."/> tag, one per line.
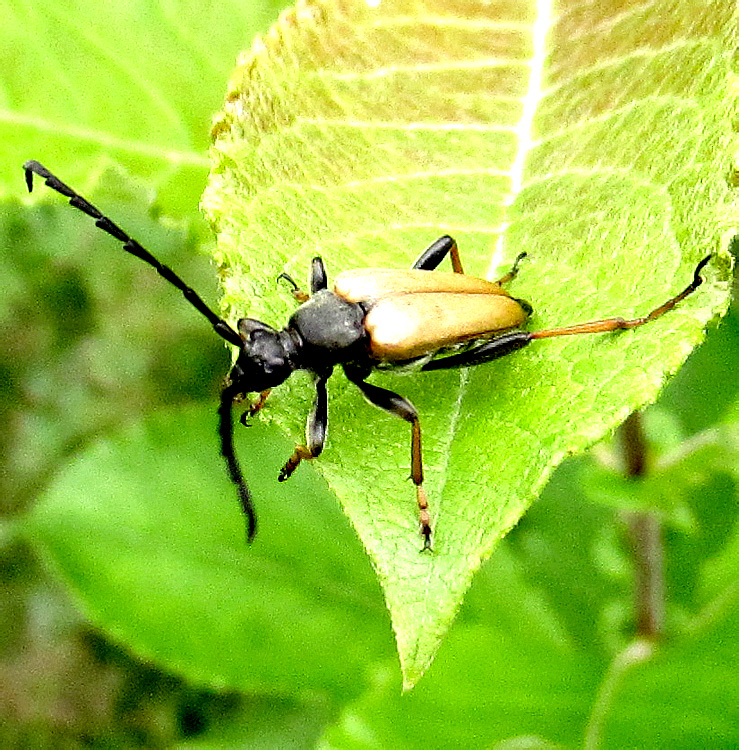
<point x="513" y="272"/>
<point x="301" y="453"/>
<point x="423" y="517"/>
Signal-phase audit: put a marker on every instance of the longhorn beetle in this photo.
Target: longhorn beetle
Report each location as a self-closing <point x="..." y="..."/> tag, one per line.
<point x="372" y="318"/>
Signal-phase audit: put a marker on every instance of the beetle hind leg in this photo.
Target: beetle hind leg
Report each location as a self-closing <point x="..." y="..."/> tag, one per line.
<point x="621" y="324"/>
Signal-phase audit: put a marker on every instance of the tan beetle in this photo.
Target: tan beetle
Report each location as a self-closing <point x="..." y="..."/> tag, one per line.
<point x="373" y="318"/>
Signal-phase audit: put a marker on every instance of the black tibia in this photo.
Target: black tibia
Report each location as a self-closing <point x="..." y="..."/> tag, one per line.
<point x="485" y="352"/>
<point x="430" y="258"/>
<point x="401" y="407"/>
<point x="225" y="431"/>
<point x="131" y="246"/>
<point x="315" y="431"/>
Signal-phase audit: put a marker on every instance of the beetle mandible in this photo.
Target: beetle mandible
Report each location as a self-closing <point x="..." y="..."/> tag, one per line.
<point x="372" y="318"/>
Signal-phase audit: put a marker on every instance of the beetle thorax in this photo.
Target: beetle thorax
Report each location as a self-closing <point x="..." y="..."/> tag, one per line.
<point x="328" y="324"/>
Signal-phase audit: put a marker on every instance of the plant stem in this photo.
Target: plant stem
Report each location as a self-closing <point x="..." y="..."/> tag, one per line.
<point x="645" y="532"/>
<point x="636" y="653"/>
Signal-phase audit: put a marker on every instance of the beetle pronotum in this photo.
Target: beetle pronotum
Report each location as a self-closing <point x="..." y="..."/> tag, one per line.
<point x="372" y="318"/>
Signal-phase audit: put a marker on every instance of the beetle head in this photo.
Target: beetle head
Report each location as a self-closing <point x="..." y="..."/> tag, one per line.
<point x="266" y="359"/>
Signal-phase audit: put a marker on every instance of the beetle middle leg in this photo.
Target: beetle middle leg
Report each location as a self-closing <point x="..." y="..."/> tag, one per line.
<point x="430" y="258"/>
<point x="315" y="431"/>
<point x="401" y="407"/>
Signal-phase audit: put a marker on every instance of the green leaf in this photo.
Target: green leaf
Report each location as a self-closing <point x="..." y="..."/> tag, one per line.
<point x="145" y="528"/>
<point x="134" y="82"/>
<point x="595" y="139"/>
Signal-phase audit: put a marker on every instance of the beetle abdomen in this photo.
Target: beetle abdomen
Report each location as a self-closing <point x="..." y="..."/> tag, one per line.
<point x="373" y="284"/>
<point x="405" y="326"/>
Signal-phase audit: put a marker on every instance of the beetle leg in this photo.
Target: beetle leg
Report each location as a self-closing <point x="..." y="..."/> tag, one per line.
<point x="514" y="270"/>
<point x="226" y="432"/>
<point x="318" y="276"/>
<point x="430" y="258"/>
<point x="511" y="342"/>
<point x="255" y="408"/>
<point x="315" y="431"/>
<point x="221" y="327"/>
<point x="618" y="324"/>
<point x="485" y="352"/>
<point x="318" y="280"/>
<point x="401" y="407"/>
<point x="296" y="291"/>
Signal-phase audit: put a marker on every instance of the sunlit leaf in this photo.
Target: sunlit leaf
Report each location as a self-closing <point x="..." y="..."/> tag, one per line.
<point x="593" y="137"/>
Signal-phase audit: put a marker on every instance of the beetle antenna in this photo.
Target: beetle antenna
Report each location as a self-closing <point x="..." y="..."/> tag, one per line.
<point x="226" y="433"/>
<point x="130" y="245"/>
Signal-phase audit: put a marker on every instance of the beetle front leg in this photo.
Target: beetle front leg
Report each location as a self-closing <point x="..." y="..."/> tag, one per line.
<point x="401" y="407"/>
<point x="254" y="409"/>
<point x="315" y="431"/>
<point x="318" y="280"/>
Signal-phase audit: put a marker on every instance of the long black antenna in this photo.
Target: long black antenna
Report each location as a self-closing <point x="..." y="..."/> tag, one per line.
<point x="221" y="327"/>
<point x="226" y="433"/>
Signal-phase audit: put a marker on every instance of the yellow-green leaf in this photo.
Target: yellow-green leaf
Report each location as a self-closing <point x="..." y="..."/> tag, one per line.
<point x="595" y="137"/>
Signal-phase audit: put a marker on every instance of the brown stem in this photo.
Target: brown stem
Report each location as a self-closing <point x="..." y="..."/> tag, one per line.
<point x="645" y="532"/>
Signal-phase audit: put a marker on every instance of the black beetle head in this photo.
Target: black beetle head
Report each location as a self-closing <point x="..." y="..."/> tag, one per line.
<point x="266" y="358"/>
